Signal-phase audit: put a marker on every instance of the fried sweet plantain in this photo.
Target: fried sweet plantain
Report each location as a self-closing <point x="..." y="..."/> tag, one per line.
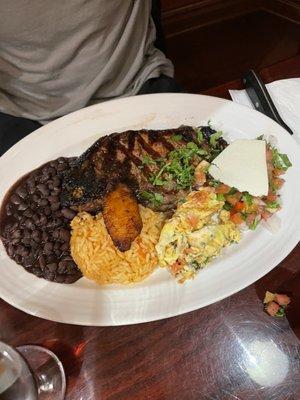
<point x="121" y="216"/>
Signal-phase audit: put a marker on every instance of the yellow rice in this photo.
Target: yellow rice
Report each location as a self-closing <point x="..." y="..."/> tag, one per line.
<point x="97" y="257"/>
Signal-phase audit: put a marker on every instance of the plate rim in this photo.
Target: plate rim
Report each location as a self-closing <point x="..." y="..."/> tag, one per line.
<point x="292" y="243"/>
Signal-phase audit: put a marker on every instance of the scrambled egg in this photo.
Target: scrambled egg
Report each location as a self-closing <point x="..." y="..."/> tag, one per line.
<point x="196" y="233"/>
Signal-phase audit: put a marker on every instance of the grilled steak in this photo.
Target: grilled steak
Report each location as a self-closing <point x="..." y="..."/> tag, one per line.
<point x="158" y="165"/>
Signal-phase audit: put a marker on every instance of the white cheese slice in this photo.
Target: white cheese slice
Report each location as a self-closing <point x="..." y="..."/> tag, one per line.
<point x="243" y="165"/>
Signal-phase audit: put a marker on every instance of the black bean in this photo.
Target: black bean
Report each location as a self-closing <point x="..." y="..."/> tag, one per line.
<point x="43" y="220"/>
<point x="68" y="213"/>
<point x="8" y="210"/>
<point x="36" y="197"/>
<point x="36" y="236"/>
<point x="42" y="261"/>
<point x="36" y="271"/>
<point x="31" y="182"/>
<point x="48" y="248"/>
<point x="56" y="182"/>
<point x="71" y="278"/>
<point x="28" y="261"/>
<point x="55" y="206"/>
<point x="18" y="258"/>
<point x="54" y="164"/>
<point x="52" y="171"/>
<point x="62" y="267"/>
<point x="56" y="246"/>
<point x="53" y="199"/>
<point x="21" y="250"/>
<point x="34" y="245"/>
<point x="52" y="267"/>
<point x="26" y="240"/>
<point x="55" y="192"/>
<point x="10" y="250"/>
<point x="64" y="247"/>
<point x="36" y="219"/>
<point x="22" y="206"/>
<point x="31" y="189"/>
<point x="15" y="234"/>
<point x="49" y="275"/>
<point x="15" y="199"/>
<point x="60" y="278"/>
<point x="22" y="192"/>
<point x="15" y="241"/>
<point x="29" y="223"/>
<point x="26" y="233"/>
<point x="45" y="236"/>
<point x="27" y="213"/>
<point x="61" y="167"/>
<point x="47" y="210"/>
<point x="43" y="189"/>
<point x="57" y="214"/>
<point x="43" y="202"/>
<point x="64" y="234"/>
<point x="50" y="258"/>
<point x="44" y="177"/>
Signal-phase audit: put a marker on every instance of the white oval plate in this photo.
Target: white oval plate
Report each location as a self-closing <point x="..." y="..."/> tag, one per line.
<point x="159" y="296"/>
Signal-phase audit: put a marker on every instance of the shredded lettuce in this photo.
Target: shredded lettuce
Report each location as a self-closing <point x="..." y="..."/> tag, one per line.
<point x="177" y="137"/>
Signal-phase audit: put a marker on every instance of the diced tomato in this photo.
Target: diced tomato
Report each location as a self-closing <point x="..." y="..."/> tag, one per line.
<point x="269" y="154"/>
<point x="278" y="182"/>
<point x="272" y="308"/>
<point x="222" y="189"/>
<point x="271" y="197"/>
<point x="250" y="219"/>
<point x="282" y="299"/>
<point x="265" y="215"/>
<point x="239" y="206"/>
<point x="233" y="198"/>
<point x="278" y="172"/>
<point x="236" y="218"/>
<point x="176" y="267"/>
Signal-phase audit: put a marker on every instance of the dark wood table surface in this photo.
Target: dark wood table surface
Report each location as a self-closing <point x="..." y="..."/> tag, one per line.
<point x="228" y="350"/>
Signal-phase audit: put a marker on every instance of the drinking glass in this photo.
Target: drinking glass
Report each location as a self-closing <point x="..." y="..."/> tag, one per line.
<point x="30" y="373"/>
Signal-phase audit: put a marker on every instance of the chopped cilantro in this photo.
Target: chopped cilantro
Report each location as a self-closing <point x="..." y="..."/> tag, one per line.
<point x="199" y="134"/>
<point x="261" y="137"/>
<point x="152" y="197"/>
<point x="280" y="161"/>
<point x="273" y="204"/>
<point x="247" y="198"/>
<point x="281" y="312"/>
<point x="176" y="138"/>
<point x="194" y="264"/>
<point x="215" y="183"/>
<point x="227" y="206"/>
<point x="232" y="191"/>
<point x="214" y="137"/>
<point x="254" y="224"/>
<point x="147" y="160"/>
<point x="220" y="197"/>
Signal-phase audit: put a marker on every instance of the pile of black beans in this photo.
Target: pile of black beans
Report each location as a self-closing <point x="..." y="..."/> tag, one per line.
<point x="35" y="227"/>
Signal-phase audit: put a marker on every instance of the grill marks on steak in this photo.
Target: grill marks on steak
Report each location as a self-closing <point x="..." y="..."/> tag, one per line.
<point x="119" y="158"/>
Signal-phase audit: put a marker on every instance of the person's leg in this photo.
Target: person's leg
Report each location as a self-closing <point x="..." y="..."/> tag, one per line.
<point x="162" y="84"/>
<point x="13" y="129"/>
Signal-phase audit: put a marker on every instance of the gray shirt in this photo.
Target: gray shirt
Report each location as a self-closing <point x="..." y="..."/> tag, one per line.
<point x="57" y="56"/>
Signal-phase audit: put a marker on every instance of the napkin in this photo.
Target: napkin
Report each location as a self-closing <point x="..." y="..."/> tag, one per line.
<point x="286" y="97"/>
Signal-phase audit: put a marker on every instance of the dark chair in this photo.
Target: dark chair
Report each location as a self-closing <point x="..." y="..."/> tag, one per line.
<point x="156" y="16"/>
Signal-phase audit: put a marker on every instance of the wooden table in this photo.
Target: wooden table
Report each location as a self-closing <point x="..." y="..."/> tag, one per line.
<point x="209" y="354"/>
